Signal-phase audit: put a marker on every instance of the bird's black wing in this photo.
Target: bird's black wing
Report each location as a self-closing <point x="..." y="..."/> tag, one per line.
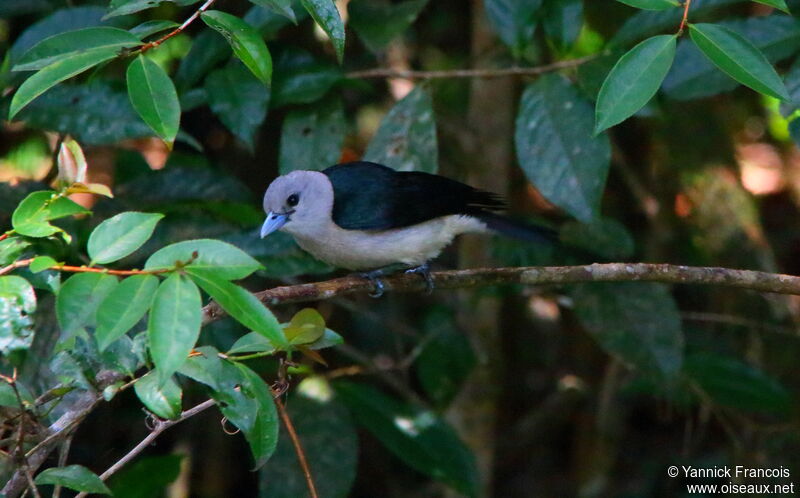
<point x="369" y="196"/>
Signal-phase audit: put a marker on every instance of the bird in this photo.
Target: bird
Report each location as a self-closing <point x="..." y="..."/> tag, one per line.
<point x="367" y="217"/>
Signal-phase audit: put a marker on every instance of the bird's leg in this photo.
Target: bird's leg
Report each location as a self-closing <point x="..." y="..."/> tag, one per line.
<point x="374" y="278"/>
<point x="424" y="270"/>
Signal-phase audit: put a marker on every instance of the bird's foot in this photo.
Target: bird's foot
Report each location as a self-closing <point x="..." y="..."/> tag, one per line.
<point x="424" y="270"/>
<point x="374" y="278"/>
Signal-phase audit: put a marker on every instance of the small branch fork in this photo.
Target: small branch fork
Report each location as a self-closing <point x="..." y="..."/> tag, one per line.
<point x="153" y="44"/>
<point x="534" y="275"/>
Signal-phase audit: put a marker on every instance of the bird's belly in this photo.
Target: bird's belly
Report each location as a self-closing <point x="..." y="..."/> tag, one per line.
<point x="366" y="250"/>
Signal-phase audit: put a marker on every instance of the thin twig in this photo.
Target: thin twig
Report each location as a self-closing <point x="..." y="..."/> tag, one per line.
<point x="16" y="264"/>
<point x="298" y="448"/>
<point x="91" y="269"/>
<point x="160" y="426"/>
<point x="153" y="44"/>
<point x="532" y="275"/>
<point x="686" y="5"/>
<point x="4" y="236"/>
<point x="470" y="73"/>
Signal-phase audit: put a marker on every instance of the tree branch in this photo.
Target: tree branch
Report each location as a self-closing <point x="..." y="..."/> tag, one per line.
<point x="160" y="426"/>
<point x="533" y="275"/>
<point x="298" y="448"/>
<point x="470" y="73"/>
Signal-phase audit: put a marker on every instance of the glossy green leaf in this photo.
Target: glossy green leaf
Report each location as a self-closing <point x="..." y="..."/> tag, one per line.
<point x="252" y="342"/>
<point x="79" y="298"/>
<point x="737" y="57"/>
<point x="224" y="260"/>
<point x="637" y="322"/>
<point x="406" y="138"/>
<point x="305" y="327"/>
<point x="149" y="28"/>
<point x="174" y="324"/>
<point x="556" y="148"/>
<point x="694" y="76"/>
<point x="562" y="21"/>
<point x="71" y="43"/>
<point x="124" y="7"/>
<point x="164" y="400"/>
<point x="11" y="248"/>
<point x="300" y="78"/>
<point x="33" y="213"/>
<point x="41" y="263"/>
<point x="60" y="21"/>
<point x="55" y="73"/>
<point x="733" y="383"/>
<point x="240" y="304"/>
<point x="76" y="477"/>
<point x="146" y="477"/>
<point x="419" y="438"/>
<point x="154" y="97"/>
<point x="17" y="304"/>
<point x="330" y="442"/>
<point x="263" y="437"/>
<point x="326" y="15"/>
<point x="245" y="41"/>
<point x="778" y="4"/>
<point x="634" y="80"/>
<point x="239" y="100"/>
<point x="123" y="307"/>
<point x="120" y="235"/>
<point x="378" y="22"/>
<point x="652" y="4"/>
<point x="20" y="290"/>
<point x="514" y="21"/>
<point x="312" y="137"/>
<point x="282" y="7"/>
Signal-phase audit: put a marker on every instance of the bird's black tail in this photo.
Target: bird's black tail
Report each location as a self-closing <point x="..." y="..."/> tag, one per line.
<point x="518" y="229"/>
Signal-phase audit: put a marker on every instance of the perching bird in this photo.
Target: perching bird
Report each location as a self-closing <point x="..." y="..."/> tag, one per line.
<point x="365" y="216"/>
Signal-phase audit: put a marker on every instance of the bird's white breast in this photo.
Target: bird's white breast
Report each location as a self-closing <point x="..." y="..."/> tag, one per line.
<point x="367" y="250"/>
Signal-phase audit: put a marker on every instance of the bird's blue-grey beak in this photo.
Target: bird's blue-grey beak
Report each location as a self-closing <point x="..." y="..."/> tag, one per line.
<point x="273" y="222"/>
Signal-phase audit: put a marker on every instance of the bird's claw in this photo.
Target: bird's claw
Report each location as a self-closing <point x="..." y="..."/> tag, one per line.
<point x="425" y="272"/>
<point x="377" y="283"/>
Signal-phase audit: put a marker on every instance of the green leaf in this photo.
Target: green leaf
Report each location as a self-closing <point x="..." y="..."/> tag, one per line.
<point x="733" y="383"/>
<point x="282" y="7"/>
<point x="778" y="4"/>
<point x="78" y="300"/>
<point x="305" y="327"/>
<point x="245" y="41"/>
<point x="406" y="138"/>
<point x="330" y="442"/>
<point x="123" y="307"/>
<point x="42" y="263"/>
<point x="33" y="213"/>
<point x="651" y="4"/>
<point x="637" y="322"/>
<point x="252" y="342"/>
<point x="164" y="400"/>
<point x="378" y="22"/>
<point x="300" y="78"/>
<point x="556" y="149"/>
<point x="241" y="304"/>
<point x="312" y="137"/>
<point x="174" y="324"/>
<point x="120" y="235"/>
<point x="17" y="304"/>
<point x="55" y="73"/>
<point x="562" y="21"/>
<point x="146" y="477"/>
<point x="634" y="80"/>
<point x="11" y="249"/>
<point x="326" y="15"/>
<point x="737" y="57"/>
<point x="149" y="28"/>
<point x="604" y="237"/>
<point x="75" y="42"/>
<point x="154" y="97"/>
<point x="263" y="436"/>
<point x="514" y="21"/>
<point x="76" y="477"/>
<point x="419" y="438"/>
<point x="20" y="290"/>
<point x="446" y="359"/>
<point x="224" y="260"/>
<point x="693" y="75"/>
<point x="124" y="7"/>
<point x="239" y="100"/>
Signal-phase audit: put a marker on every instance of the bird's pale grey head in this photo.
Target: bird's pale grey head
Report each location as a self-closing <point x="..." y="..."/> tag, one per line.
<point x="299" y="202"/>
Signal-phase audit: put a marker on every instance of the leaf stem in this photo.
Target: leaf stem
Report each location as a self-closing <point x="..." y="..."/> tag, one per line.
<point x="298" y="448"/>
<point x="153" y="44"/>
<point x="686" y="4"/>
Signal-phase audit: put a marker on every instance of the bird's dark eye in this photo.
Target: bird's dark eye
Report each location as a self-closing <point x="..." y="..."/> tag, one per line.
<point x="292" y="200"/>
